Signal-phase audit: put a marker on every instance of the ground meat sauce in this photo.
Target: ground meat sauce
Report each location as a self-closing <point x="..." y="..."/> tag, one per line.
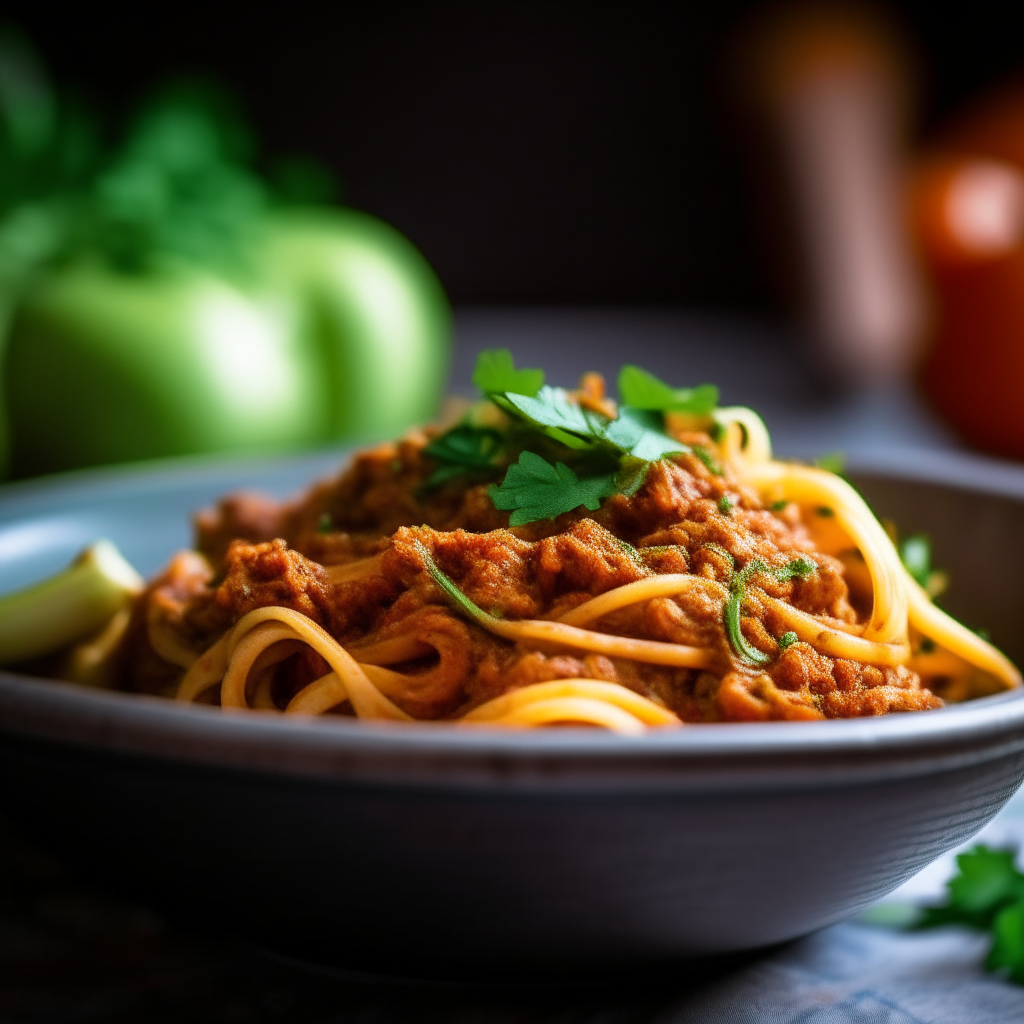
<point x="258" y="552"/>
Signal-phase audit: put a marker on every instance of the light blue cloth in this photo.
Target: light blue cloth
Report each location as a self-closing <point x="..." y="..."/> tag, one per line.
<point x="857" y="973"/>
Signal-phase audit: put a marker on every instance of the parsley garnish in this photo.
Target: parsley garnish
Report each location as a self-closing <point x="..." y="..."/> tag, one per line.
<point x="725" y="504"/>
<point x="463" y="449"/>
<point x="325" y="524"/>
<point x="833" y="462"/>
<point x="496" y="373"/>
<point x="641" y="434"/>
<point x="787" y="640"/>
<point x="710" y="462"/>
<point x="987" y="894"/>
<point x="551" y="408"/>
<point x="558" y="453"/>
<point x="642" y="390"/>
<point x="448" y="588"/>
<point x="778" y="506"/>
<point x="534" y="489"/>
<point x="916" y="555"/>
<point x="825" y="512"/>
<point x="799" y="568"/>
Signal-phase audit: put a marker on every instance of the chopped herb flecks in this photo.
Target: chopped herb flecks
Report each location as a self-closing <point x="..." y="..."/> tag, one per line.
<point x="799" y="568"/>
<point x="711" y="464"/>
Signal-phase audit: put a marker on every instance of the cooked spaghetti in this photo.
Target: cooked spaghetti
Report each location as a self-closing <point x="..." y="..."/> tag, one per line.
<point x="554" y="559"/>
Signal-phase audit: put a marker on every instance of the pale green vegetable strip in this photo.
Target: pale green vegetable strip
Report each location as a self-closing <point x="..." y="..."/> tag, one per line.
<point x="67" y="607"/>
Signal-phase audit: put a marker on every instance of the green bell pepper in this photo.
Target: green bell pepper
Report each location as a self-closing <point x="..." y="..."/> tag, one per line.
<point x="177" y="303"/>
<point x="341" y="332"/>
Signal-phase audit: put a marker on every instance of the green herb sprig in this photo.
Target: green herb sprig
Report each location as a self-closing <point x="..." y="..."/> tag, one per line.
<point x="448" y="587"/>
<point x="987" y="894"/>
<point x="556" y="454"/>
<point x="916" y="555"/>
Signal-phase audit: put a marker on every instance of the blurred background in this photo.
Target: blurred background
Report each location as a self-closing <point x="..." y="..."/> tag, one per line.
<point x="817" y="207"/>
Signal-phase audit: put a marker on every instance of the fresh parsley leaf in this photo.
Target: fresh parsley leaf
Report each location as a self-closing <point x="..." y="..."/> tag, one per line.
<point x="778" y="506"/>
<point x="631" y="475"/>
<point x="834" y="462"/>
<point x="916" y="555"/>
<point x="614" y="454"/>
<point x="1008" y="942"/>
<point x="987" y="880"/>
<point x="534" y="489"/>
<point x="640" y="433"/>
<point x="551" y="407"/>
<point x="461" y="450"/>
<point x="987" y="894"/>
<point x="725" y="504"/>
<point x="496" y="373"/>
<point x="466" y="445"/>
<point x="643" y="390"/>
<point x="825" y="512"/>
<point x="325" y="524"/>
<point x="787" y="640"/>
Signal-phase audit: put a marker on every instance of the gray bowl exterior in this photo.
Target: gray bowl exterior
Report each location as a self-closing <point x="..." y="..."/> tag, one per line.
<point x="430" y="850"/>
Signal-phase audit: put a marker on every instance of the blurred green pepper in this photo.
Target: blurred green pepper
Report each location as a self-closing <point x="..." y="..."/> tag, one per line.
<point x="178" y="305"/>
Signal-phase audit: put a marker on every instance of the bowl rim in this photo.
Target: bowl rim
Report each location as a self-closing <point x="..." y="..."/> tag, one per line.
<point x="426" y="753"/>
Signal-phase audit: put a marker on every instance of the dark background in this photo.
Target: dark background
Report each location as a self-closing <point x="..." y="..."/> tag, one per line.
<point x="536" y="153"/>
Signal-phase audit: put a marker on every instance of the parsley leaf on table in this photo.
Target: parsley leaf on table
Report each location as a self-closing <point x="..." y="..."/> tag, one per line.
<point x="534" y="489"/>
<point x="496" y="373"/>
<point x="987" y="894"/>
<point x="643" y="390"/>
<point x="1008" y="942"/>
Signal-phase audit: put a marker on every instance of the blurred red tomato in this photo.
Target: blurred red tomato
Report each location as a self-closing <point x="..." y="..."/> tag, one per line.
<point x="968" y="207"/>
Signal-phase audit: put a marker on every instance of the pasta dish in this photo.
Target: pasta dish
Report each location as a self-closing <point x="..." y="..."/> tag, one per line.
<point x="553" y="558"/>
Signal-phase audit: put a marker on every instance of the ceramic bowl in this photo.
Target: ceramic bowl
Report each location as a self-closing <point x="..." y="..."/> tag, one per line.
<point x="428" y="850"/>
